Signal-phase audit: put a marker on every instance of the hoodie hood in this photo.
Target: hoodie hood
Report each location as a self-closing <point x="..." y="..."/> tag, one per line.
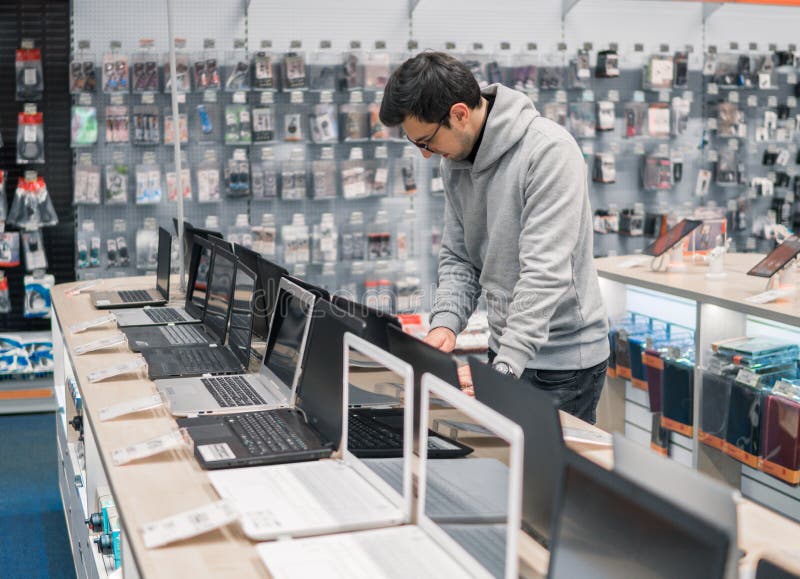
<point x="508" y="122"/>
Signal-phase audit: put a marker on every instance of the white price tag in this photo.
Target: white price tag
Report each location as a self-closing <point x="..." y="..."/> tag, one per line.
<point x="101" y="344"/>
<point x="664" y="96"/>
<point x="772" y="101"/>
<point x="712" y="88"/>
<point x="733" y="97"/>
<point x="117" y="370"/>
<point x="326" y="97"/>
<point x="148" y="98"/>
<point x="148" y="448"/>
<point x="239" y="98"/>
<point x="130" y="407"/>
<point x="84" y="287"/>
<point x="752" y="101"/>
<point x="587" y="436"/>
<point x="188" y="524"/>
<point x="613" y="96"/>
<point x="768" y="296"/>
<point x="634" y="262"/>
<point x="83" y="326"/>
<point x="267" y="98"/>
<point x="29" y="134"/>
<point x="296" y="97"/>
<point x="745" y="376"/>
<point x="561" y="96"/>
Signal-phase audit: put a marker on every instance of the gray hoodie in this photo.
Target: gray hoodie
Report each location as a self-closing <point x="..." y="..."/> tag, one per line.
<point x="518" y="225"/>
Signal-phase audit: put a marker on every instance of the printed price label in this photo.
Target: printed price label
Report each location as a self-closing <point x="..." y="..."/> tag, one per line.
<point x="101" y="344"/>
<point x="239" y="98"/>
<point x="84" y="287"/>
<point x="587" y="436"/>
<point x="83" y="326"/>
<point x="296" y="97"/>
<point x="188" y="524"/>
<point x="745" y="376"/>
<point x="148" y="448"/>
<point x="130" y="407"/>
<point x="117" y="370"/>
<point x="768" y="296"/>
<point x="712" y="88"/>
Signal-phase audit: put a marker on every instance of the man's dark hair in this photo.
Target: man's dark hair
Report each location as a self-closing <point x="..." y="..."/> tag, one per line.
<point x="425" y="87"/>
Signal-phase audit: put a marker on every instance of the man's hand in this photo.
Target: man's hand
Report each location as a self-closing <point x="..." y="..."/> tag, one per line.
<point x="442" y="339"/>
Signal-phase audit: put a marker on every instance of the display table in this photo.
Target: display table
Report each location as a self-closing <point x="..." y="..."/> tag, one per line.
<point x="170" y="483"/>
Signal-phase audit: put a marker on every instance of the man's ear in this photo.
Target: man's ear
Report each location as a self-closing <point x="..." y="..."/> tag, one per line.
<point x="459" y="114"/>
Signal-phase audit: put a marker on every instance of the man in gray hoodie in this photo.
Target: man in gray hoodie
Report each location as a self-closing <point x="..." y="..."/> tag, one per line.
<point x="517" y="226"/>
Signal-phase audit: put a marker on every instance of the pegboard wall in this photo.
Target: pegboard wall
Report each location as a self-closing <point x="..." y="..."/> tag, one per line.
<point x="47" y="23"/>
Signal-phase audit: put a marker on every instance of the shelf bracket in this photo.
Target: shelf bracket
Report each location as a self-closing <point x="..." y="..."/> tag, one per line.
<point x="566" y="6"/>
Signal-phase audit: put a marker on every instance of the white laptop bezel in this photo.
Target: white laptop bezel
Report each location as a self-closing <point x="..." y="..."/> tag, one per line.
<point x="308" y="299"/>
<point x="502" y="428"/>
<point x="404" y="370"/>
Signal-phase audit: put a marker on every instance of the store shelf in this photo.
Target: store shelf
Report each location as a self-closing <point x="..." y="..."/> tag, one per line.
<point x="19" y="395"/>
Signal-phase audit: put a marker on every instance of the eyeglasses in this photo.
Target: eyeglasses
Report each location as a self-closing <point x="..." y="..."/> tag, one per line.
<point x="425" y="146"/>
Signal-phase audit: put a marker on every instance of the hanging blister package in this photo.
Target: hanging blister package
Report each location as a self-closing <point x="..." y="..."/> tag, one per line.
<point x="87" y="185"/>
<point x="238" y="77"/>
<point x="117" y="184"/>
<point x="3" y="208"/>
<point x="354" y="122"/>
<point x="172" y="182"/>
<point x="84" y="126"/>
<point x="30" y="138"/>
<point x="9" y="249"/>
<point x="144" y="72"/>
<point x="148" y="184"/>
<point x="182" y="79"/>
<point x="115" y="72"/>
<point x="33" y="250"/>
<point x="294" y="70"/>
<point x="206" y="72"/>
<point x="82" y="74"/>
<point x="323" y="173"/>
<point x="117" y="124"/>
<point x="263" y="77"/>
<point x="324" y="128"/>
<point x="37" y="295"/>
<point x="146" y="125"/>
<point x="264" y="176"/>
<point x="293" y="176"/>
<point x="206" y="122"/>
<point x="5" y="296"/>
<point x="30" y="80"/>
<point x="238" y="125"/>
<point x="169" y="129"/>
<point x="263" y="124"/>
<point x="237" y="174"/>
<point x="582" y="120"/>
<point x="147" y="246"/>
<point x="208" y="181"/>
<point x="32" y="207"/>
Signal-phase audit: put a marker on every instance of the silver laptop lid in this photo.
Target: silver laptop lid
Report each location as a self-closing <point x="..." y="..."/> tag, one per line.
<point x="365" y="363"/>
<point x="694" y="491"/>
<point x="287" y="337"/>
<point x="447" y="410"/>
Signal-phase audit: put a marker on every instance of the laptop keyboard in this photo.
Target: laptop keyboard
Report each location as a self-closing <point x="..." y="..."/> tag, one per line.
<point x="265" y="433"/>
<point x="232" y="391"/>
<point x="164" y="315"/>
<point x="129" y="296"/>
<point x="487" y="543"/>
<point x="364" y="433"/>
<point x="200" y="360"/>
<point x="183" y="335"/>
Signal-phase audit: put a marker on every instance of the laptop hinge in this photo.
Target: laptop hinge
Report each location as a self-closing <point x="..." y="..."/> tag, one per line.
<point x="207" y="375"/>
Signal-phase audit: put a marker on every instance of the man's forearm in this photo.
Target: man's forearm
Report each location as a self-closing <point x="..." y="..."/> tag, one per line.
<point x="456" y="295"/>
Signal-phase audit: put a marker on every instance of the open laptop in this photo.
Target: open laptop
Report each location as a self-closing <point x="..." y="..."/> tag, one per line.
<point x="703" y="496"/>
<point x="423" y="549"/>
<point x="325" y="496"/>
<point x="194" y="305"/>
<point x="270" y="274"/>
<point x="139" y="298"/>
<point x="376" y="320"/>
<point x="378" y="432"/>
<point x="274" y="384"/>
<point x="537" y="414"/>
<point x="231" y="357"/>
<point x="190" y="233"/>
<point x="310" y="430"/>
<point x="218" y="297"/>
<point x="261" y="316"/>
<point x="608" y="526"/>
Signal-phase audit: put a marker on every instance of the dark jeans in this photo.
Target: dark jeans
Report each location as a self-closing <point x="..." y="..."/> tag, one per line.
<point x="575" y="391"/>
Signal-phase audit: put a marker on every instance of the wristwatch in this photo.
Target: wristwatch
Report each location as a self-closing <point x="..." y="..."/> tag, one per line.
<point x="504" y="368"/>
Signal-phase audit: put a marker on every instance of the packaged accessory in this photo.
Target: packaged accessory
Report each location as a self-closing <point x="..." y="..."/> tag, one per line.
<point x="293" y="127"/>
<point x="182" y="78"/>
<point x="238" y="126"/>
<point x="263" y="69"/>
<point x="263" y="124"/>
<point x="680" y="115"/>
<point x="238" y="77"/>
<point x="729" y="168"/>
<point x="681" y="69"/>
<point x="325" y="240"/>
<point x="117" y="124"/>
<point x="169" y="128"/>
<point x="377" y="67"/>
<point x="264" y="176"/>
<point x="30" y="137"/>
<point x="635" y="114"/>
<point x="324" y="68"/>
<point x="607" y="64"/>
<point x="657" y="172"/>
<point x="354" y="121"/>
<point x="264" y="236"/>
<point x="658" y="120"/>
<point x="354" y="237"/>
<point x="9" y="249"/>
<point x="37" y="295"/>
<point x="237" y="174"/>
<point x="323" y="173"/>
<point x="354" y="176"/>
<point x="3" y="209"/>
<point x="117" y="183"/>
<point x="144" y="70"/>
<point x="293" y="176"/>
<point x="294" y="68"/>
<point x="87" y="184"/>
<point x="659" y="72"/>
<point x="606" y="116"/>
<point x="556" y="112"/>
<point x="324" y="128"/>
<point x="353" y="68"/>
<point x="731" y="121"/>
<point x="32" y="207"/>
<point x="147" y="245"/>
<point x="172" y="182"/>
<point x="82" y="71"/>
<point x="146" y="125"/>
<point x="582" y="121"/>
<point x="115" y="71"/>
<point x="407" y="174"/>
<point x="580" y="70"/>
<point x="148" y="183"/>
<point x="88" y="247"/>
<point x="208" y="178"/>
<point x="33" y="250"/>
<point x="207" y="121"/>
<point x="5" y="297"/>
<point x="206" y="69"/>
<point x="604" y="169"/>
<point x="30" y="77"/>
<point x="84" y="126"/>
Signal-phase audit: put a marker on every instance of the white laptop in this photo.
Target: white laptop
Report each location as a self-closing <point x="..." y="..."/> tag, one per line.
<point x="327" y="496"/>
<point x="694" y="491"/>
<point x="273" y="386"/>
<point x="421" y="550"/>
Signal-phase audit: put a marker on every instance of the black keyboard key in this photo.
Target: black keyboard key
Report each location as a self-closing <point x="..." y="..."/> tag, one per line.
<point x="164" y="315"/>
<point x="232" y="391"/>
<point x="265" y="432"/>
<point x="130" y="296"/>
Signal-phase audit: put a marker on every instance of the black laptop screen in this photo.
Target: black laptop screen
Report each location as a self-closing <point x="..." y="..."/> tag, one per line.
<point x="198" y="291"/>
<point x="220" y="288"/>
<point x="250" y="259"/>
<point x="164" y="260"/>
<point x="286" y="337"/>
<point x="242" y="313"/>
<point x="270" y="275"/>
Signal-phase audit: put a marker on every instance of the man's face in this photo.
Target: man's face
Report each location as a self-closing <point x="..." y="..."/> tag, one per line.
<point x="454" y="142"/>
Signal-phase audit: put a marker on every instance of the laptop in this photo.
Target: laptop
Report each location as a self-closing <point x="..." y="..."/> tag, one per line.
<point x="376" y="320"/>
<point x="378" y="432"/>
<point x="232" y="357"/>
<point x="271" y="274"/>
<point x="194" y="305"/>
<point x="309" y="431"/>
<point x="220" y="285"/>
<point x="695" y="492"/>
<point x="262" y="313"/>
<point x="190" y="233"/>
<point x="421" y="549"/>
<point x="320" y="293"/>
<point x="140" y="298"/>
<point x="274" y="384"/>
<point x="607" y="526"/>
<point x="536" y="412"/>
<point x="326" y="496"/>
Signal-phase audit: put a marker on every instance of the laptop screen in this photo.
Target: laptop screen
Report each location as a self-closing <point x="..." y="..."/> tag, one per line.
<point x="250" y="259"/>
<point x="242" y="313"/>
<point x="286" y="337"/>
<point x="220" y="288"/>
<point x="270" y="275"/>
<point x="377" y="321"/>
<point x="198" y="280"/>
<point x="164" y="262"/>
<point x="608" y="526"/>
<point x="543" y="463"/>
